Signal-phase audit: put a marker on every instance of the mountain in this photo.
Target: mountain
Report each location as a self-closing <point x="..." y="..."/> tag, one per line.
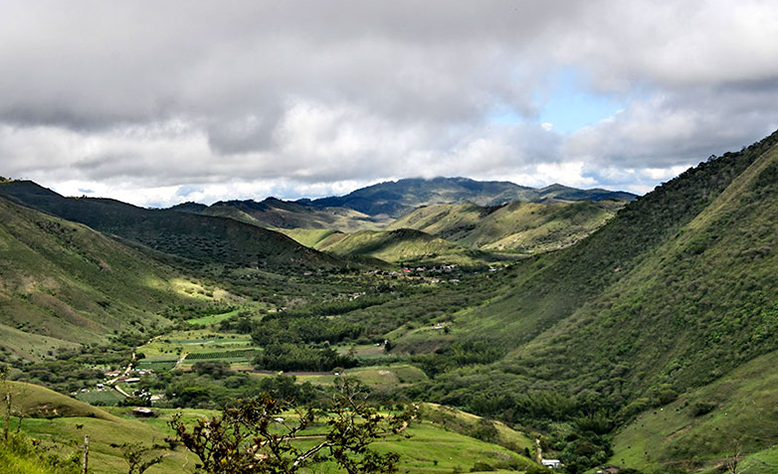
<point x="201" y="238"/>
<point x="518" y="226"/>
<point x="62" y="283"/>
<point x="674" y="294"/>
<point x="277" y="214"/>
<point x="396" y="198"/>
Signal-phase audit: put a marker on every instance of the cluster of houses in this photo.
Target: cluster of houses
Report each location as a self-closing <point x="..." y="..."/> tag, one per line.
<point x="133" y="376"/>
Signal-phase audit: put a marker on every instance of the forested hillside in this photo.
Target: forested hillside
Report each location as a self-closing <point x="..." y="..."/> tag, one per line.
<point x="674" y="293"/>
<point x="206" y="239"/>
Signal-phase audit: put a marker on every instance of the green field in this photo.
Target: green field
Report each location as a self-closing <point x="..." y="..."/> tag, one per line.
<point x="193" y="341"/>
<point x="432" y="448"/>
<point x="100" y="397"/>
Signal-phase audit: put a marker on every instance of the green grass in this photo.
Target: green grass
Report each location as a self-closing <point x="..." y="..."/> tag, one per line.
<point x="20" y="456"/>
<point x="430" y="449"/>
<point x="309" y="237"/>
<point x="762" y="462"/>
<point x="429" y="443"/>
<point x="100" y="397"/>
<point x="35" y="400"/>
<point x="166" y="348"/>
<point x="743" y="414"/>
<point x="402" y="245"/>
<point x="391" y="375"/>
<point x="465" y="423"/>
<point x="375" y="376"/>
<point x="212" y="319"/>
<point x="65" y="284"/>
<point x="519" y="226"/>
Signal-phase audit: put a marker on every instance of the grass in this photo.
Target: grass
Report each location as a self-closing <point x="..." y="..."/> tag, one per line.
<point x="519" y="226"/>
<point x="20" y="456"/>
<point x="308" y="237"/>
<point x="166" y="348"/>
<point x="401" y="245"/>
<point x="213" y="319"/>
<point x="430" y="449"/>
<point x="65" y="284"/>
<point x="762" y="462"/>
<point x="100" y="397"/>
<point x="375" y="376"/>
<point x="464" y="423"/>
<point x="393" y="375"/>
<point x="434" y="450"/>
<point x="742" y="413"/>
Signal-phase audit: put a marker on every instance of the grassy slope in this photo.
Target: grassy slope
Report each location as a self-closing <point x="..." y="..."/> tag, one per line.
<point x="403" y="245"/>
<point x="66" y="428"/>
<point x="310" y="237"/>
<point x="20" y="456"/>
<point x="518" y="226"/>
<point x="192" y="236"/>
<point x="743" y="412"/>
<point x="694" y="308"/>
<point x="62" y="281"/>
<point x="552" y="287"/>
<point x="431" y="448"/>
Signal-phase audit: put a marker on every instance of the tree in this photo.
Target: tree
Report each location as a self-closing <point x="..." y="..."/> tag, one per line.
<point x="257" y="436"/>
<point x="139" y="457"/>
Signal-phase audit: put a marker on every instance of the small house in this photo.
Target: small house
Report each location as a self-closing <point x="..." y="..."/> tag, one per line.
<point x="551" y="463"/>
<point x="143" y="412"/>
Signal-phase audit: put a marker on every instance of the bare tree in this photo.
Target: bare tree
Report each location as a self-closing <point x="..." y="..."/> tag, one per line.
<point x="732" y="463"/>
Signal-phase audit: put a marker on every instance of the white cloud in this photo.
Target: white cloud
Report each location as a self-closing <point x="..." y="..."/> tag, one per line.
<point x="138" y="99"/>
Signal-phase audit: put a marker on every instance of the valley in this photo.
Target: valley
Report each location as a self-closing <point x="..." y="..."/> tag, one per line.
<point x="603" y="329"/>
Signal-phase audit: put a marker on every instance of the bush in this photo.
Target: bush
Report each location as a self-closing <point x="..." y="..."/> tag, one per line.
<point x="481" y="467"/>
<point x="702" y="408"/>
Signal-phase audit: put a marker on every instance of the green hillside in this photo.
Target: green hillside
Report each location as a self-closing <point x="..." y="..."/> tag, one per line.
<point x="309" y="237"/>
<point x="706" y="425"/>
<point x="446" y="442"/>
<point x="674" y="293"/>
<point x="518" y="226"/>
<point x="201" y="238"/>
<point x="63" y="283"/>
<point x="402" y="245"/>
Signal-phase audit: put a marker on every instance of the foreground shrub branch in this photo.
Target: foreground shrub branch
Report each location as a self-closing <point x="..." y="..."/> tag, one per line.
<point x="261" y="436"/>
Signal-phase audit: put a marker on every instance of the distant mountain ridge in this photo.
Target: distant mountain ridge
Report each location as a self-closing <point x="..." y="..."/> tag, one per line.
<point x="396" y="198"/>
<point x="203" y="238"/>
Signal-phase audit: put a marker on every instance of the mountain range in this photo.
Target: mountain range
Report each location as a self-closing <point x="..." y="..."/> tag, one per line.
<point x="396" y="198"/>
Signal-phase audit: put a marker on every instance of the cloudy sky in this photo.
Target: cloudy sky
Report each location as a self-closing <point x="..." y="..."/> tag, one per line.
<point x="159" y="102"/>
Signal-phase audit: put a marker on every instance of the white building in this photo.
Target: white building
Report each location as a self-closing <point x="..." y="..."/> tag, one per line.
<point x="551" y="463"/>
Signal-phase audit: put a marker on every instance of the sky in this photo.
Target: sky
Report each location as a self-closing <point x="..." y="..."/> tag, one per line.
<point x="161" y="102"/>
